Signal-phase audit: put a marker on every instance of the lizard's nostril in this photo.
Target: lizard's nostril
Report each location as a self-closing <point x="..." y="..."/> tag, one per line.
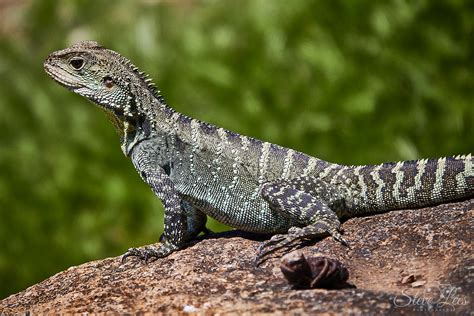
<point x="49" y="59"/>
<point x="48" y="62"/>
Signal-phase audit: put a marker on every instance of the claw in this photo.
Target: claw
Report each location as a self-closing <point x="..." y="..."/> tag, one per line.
<point x="338" y="237"/>
<point x="272" y="241"/>
<point x="260" y="259"/>
<point x="132" y="252"/>
<point x="343" y="242"/>
<point x="276" y="243"/>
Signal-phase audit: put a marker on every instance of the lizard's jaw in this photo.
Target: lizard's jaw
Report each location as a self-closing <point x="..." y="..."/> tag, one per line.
<point x="61" y="76"/>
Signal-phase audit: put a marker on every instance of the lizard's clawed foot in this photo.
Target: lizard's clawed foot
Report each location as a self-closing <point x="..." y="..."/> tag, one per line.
<point x="287" y="241"/>
<point x="150" y="253"/>
<point x="144" y="254"/>
<point x="277" y="242"/>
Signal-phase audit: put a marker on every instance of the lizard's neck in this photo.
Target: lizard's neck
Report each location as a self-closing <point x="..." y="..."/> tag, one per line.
<point x="153" y="117"/>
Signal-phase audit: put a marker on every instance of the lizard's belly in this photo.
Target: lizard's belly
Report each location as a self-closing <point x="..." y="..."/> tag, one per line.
<point x="230" y="199"/>
<point x="253" y="216"/>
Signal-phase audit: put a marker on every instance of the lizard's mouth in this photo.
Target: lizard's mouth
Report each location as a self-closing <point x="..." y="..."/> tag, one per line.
<point x="61" y="76"/>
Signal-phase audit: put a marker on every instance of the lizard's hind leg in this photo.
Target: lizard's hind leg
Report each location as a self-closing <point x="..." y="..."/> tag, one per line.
<point x="315" y="217"/>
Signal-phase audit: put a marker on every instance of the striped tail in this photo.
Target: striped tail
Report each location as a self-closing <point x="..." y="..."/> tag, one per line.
<point x="414" y="183"/>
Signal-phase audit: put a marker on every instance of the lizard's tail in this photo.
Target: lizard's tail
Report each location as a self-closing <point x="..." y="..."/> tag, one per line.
<point x="414" y="183"/>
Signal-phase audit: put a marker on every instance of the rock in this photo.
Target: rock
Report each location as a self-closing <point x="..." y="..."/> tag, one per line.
<point x="418" y="284"/>
<point x="408" y="279"/>
<point x="190" y="309"/>
<point x="218" y="275"/>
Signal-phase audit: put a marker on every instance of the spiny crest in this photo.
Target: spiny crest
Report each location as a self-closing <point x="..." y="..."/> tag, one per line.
<point x="462" y="157"/>
<point x="145" y="77"/>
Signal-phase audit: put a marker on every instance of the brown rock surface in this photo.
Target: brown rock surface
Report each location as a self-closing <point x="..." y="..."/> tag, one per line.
<point x="389" y="252"/>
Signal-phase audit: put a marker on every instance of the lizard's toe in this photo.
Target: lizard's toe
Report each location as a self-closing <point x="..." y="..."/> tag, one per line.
<point x="338" y="237"/>
<point x="133" y="252"/>
<point x="289" y="241"/>
<point x="269" y="247"/>
<point x="341" y="239"/>
<point x="147" y="254"/>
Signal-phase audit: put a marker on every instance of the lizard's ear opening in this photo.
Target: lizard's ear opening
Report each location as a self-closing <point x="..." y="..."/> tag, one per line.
<point x="108" y="82"/>
<point x="77" y="63"/>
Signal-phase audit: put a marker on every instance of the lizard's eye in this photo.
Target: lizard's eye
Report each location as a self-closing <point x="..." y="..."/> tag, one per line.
<point x="77" y="63"/>
<point x="108" y="82"/>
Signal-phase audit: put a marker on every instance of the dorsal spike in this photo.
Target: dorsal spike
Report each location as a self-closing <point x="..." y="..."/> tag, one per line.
<point x="142" y="75"/>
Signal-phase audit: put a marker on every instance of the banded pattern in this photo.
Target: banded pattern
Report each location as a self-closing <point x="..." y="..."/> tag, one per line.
<point x="413" y="183"/>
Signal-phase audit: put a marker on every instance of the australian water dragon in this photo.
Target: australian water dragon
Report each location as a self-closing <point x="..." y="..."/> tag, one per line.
<point x="199" y="169"/>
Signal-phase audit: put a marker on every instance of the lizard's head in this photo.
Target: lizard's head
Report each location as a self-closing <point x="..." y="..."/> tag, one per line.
<point x="101" y="75"/>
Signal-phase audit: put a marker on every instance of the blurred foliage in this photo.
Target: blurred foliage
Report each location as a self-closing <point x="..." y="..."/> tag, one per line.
<point x="347" y="81"/>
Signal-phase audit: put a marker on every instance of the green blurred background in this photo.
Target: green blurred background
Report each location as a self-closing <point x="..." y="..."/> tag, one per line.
<point x="347" y="81"/>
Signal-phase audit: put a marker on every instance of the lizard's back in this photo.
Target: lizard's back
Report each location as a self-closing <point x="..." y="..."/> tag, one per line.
<point x="225" y="172"/>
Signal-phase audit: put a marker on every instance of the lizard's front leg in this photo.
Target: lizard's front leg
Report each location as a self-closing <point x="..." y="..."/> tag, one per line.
<point x="175" y="228"/>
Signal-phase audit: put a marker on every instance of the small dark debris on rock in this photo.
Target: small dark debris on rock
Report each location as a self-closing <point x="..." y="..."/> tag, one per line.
<point x="314" y="272"/>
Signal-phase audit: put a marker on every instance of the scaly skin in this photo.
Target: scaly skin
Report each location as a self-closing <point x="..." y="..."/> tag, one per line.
<point x="197" y="169"/>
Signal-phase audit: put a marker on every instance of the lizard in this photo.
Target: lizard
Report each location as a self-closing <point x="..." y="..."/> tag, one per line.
<point x="198" y="169"/>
